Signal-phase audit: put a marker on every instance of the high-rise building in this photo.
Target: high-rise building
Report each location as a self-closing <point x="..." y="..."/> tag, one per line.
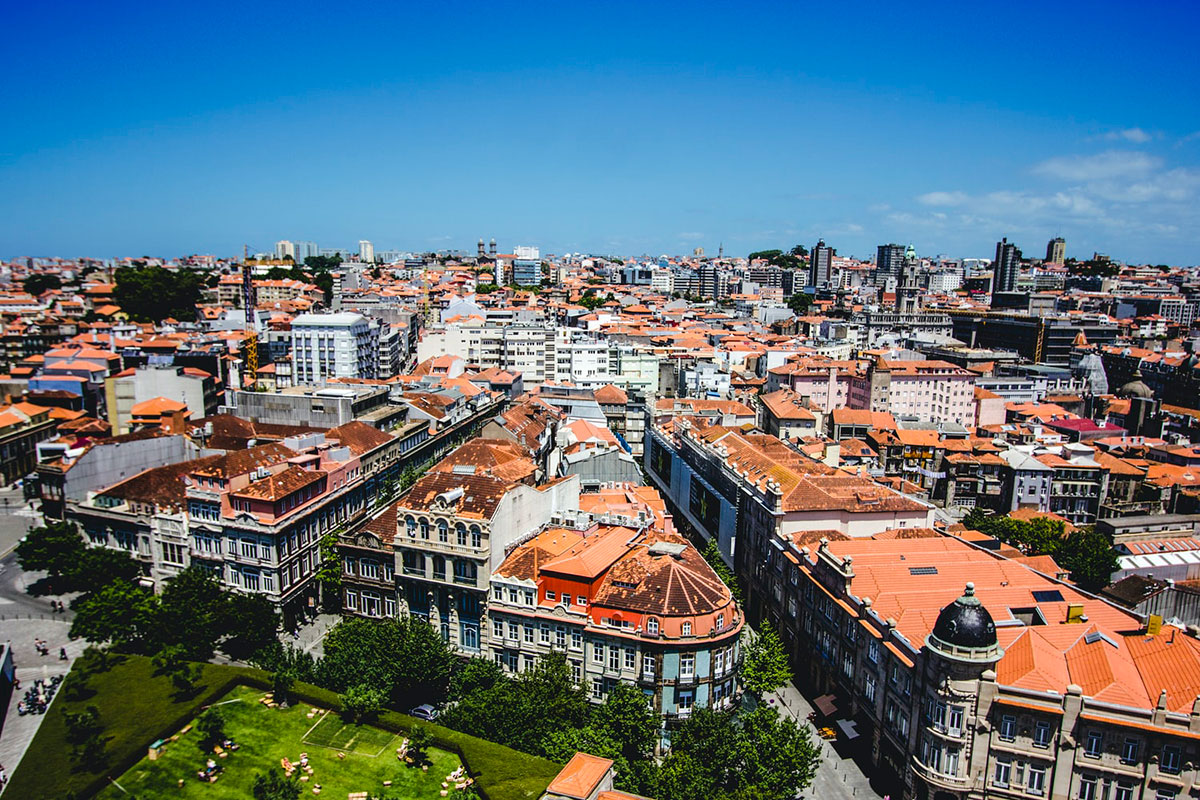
<point x="1056" y="250"/>
<point x="889" y="258"/>
<point x="366" y="251"/>
<point x="1005" y="267"/>
<point x="305" y="249"/>
<point x="333" y="346"/>
<point x="820" y="261"/>
<point x="285" y="248"/>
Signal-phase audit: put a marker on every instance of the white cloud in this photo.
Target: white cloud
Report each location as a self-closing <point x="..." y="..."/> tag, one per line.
<point x="1101" y="166"/>
<point x="1136" y="135"/>
<point x="943" y="198"/>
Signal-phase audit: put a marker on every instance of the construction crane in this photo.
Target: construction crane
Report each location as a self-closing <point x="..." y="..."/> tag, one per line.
<point x="426" y="305"/>
<point x="250" y="344"/>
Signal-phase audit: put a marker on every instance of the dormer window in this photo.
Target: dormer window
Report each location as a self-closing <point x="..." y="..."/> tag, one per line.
<point x="652" y="627"/>
<point x="720" y="622"/>
<point x="686" y="629"/>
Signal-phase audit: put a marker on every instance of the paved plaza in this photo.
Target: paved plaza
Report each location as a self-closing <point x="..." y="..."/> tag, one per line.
<point x="18" y="730"/>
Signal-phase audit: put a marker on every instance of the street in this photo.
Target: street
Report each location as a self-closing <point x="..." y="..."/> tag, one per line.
<point x="837" y="777"/>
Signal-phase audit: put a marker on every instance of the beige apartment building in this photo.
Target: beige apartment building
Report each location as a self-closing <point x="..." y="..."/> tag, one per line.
<point x="966" y="675"/>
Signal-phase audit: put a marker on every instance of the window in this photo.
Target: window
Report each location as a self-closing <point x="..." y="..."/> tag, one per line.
<point x="630" y="658"/>
<point x="528" y="633"/>
<point x="443" y="531"/>
<point x="686" y="629"/>
<point x="551" y="596"/>
<point x="1041" y="734"/>
<point x="1087" y="788"/>
<point x="647" y="665"/>
<point x="351" y="599"/>
<point x="614" y="657"/>
<point x="414" y="563"/>
<point x="410" y="527"/>
<point x="460" y="534"/>
<point x="576" y="640"/>
<point x="1095" y="744"/>
<point x="954" y="724"/>
<point x="1165" y="793"/>
<point x="1003" y="772"/>
<point x="476" y="537"/>
<point x="598" y="653"/>
<point x="1123" y="791"/>
<point x="497" y="629"/>
<point x="1169" y="761"/>
<point x="597" y="688"/>
<point x="687" y="666"/>
<point x="424" y="529"/>
<point x="544" y="636"/>
<point x="1037" y="780"/>
<point x="869" y="688"/>
<point x="686" y="700"/>
<point x="560" y="636"/>
<point x="1008" y="727"/>
<point x="465" y="572"/>
<point x="439" y="568"/>
<point x="873" y="651"/>
<point x="720" y="622"/>
<point x="249" y="548"/>
<point x="951" y="767"/>
<point x="1129" y="751"/>
<point x="513" y="631"/>
<point x="652" y="626"/>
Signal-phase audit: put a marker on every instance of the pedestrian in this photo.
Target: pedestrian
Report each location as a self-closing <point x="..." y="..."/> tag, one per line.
<point x="62" y="654"/>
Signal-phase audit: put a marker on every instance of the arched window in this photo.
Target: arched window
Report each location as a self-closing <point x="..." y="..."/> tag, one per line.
<point x="686" y="629"/>
<point x="461" y="531"/>
<point x="424" y="528"/>
<point x="410" y="525"/>
<point x="652" y="626"/>
<point x="476" y="537"/>
<point x="443" y="530"/>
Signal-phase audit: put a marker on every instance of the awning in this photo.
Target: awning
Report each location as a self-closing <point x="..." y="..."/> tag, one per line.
<point x="826" y="705"/>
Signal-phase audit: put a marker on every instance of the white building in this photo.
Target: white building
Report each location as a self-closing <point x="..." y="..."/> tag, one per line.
<point x="580" y="359"/>
<point x="285" y="248"/>
<point x="524" y="251"/>
<point x="324" y="346"/>
<point x="366" y="251"/>
<point x="662" y="280"/>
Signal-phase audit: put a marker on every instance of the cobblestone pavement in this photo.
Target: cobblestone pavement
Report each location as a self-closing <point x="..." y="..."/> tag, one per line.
<point x="18" y="730"/>
<point x="837" y="778"/>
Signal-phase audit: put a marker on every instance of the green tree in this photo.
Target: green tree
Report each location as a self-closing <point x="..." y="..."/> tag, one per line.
<point x="194" y="612"/>
<point x="211" y="727"/>
<point x="712" y="554"/>
<point x="625" y="717"/>
<point x="318" y="263"/>
<point x="273" y="785"/>
<point x="779" y="758"/>
<point x="799" y="303"/>
<point x="123" y="614"/>
<point x="252" y="622"/>
<point x="361" y="702"/>
<point x="281" y="685"/>
<point x="765" y="663"/>
<point x="766" y="255"/>
<point x="329" y="571"/>
<point x="96" y="567"/>
<point x="53" y="548"/>
<point x="486" y="288"/>
<point x="39" y="283"/>
<point x="1090" y="557"/>
<point x="474" y="675"/>
<point x="151" y="294"/>
<point x="419" y="741"/>
<point x="800" y="251"/>
<point x="405" y="658"/>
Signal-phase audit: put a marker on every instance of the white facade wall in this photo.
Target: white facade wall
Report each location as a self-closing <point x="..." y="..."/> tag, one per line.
<point x="334" y="346"/>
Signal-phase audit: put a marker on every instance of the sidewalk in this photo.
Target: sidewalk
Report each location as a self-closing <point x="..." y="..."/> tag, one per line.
<point x="312" y="634"/>
<point x="837" y="777"/>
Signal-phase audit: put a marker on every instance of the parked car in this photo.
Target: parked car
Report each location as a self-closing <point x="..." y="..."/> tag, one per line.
<point x="425" y="711"/>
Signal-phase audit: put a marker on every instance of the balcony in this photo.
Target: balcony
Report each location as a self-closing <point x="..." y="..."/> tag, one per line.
<point x="935" y="778"/>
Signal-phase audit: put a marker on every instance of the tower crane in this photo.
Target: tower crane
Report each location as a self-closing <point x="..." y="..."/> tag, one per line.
<point x="250" y="343"/>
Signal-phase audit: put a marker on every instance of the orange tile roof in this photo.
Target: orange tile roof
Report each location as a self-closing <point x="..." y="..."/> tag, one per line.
<point x="580" y="777"/>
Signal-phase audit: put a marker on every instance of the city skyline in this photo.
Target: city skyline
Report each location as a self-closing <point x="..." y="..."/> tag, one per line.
<point x="616" y="131"/>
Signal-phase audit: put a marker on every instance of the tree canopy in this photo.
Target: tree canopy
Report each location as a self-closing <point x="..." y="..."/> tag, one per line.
<point x="1086" y="552"/>
<point x="799" y="303"/>
<point x="765" y="664"/>
<point x="39" y="283"/>
<point x="151" y="294"/>
<point x="405" y="659"/>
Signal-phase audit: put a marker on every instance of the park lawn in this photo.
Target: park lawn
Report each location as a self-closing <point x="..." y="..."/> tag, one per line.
<point x="267" y="735"/>
<point x="137" y="707"/>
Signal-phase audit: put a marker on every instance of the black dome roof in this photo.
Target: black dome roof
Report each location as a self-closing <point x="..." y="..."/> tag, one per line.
<point x="966" y="623"/>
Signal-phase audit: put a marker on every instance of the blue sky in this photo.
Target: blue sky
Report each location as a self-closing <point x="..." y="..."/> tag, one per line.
<point x="163" y="129"/>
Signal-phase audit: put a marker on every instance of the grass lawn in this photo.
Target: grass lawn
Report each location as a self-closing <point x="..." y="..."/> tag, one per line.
<point x="267" y="735"/>
<point x="137" y="707"/>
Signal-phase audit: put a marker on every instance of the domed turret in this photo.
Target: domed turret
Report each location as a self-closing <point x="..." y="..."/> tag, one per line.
<point x="1136" y="388"/>
<point x="965" y="631"/>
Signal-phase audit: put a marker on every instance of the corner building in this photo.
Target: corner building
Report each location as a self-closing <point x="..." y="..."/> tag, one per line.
<point x="624" y="603"/>
<point x="1016" y="686"/>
